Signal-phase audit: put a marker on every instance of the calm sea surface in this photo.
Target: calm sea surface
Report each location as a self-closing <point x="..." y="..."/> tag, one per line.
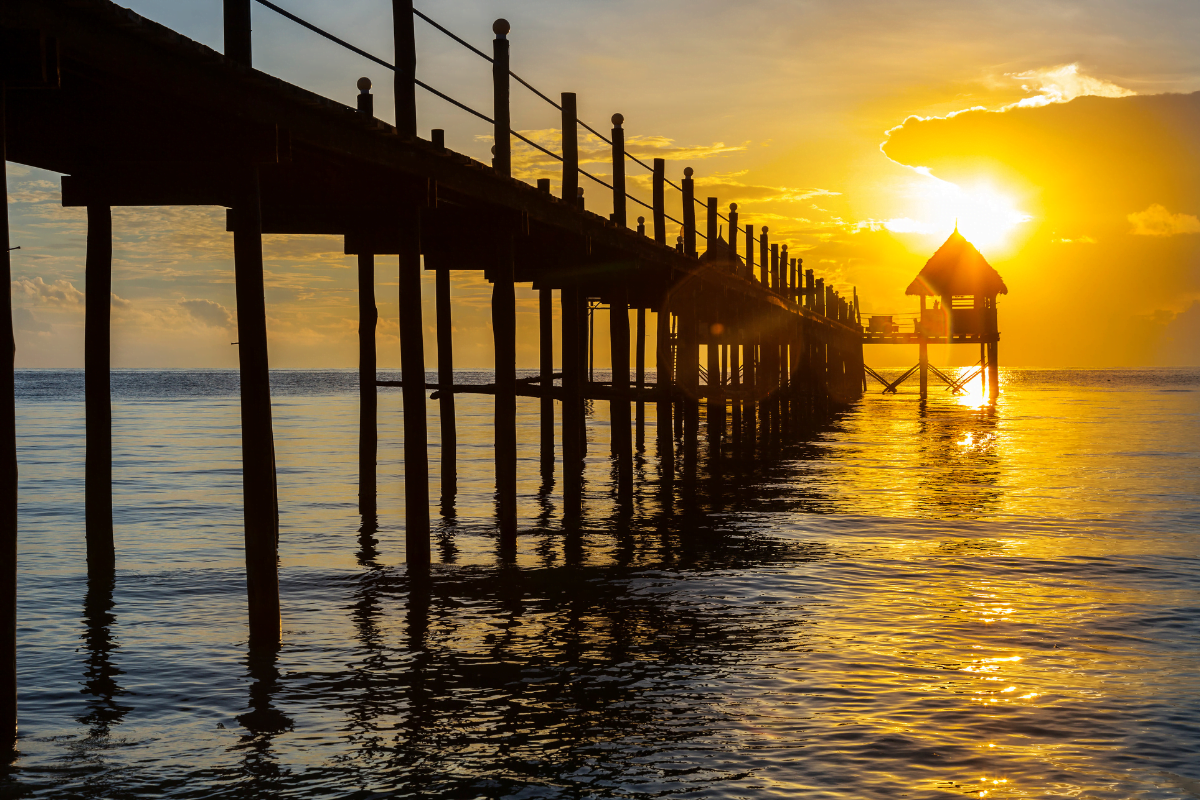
<point x="911" y="601"/>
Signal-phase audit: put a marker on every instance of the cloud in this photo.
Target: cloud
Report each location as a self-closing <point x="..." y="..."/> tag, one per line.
<point x="208" y="313"/>
<point x="60" y="293"/>
<point x="1062" y="84"/>
<point x="120" y="302"/>
<point x="1158" y="221"/>
<point x="24" y="320"/>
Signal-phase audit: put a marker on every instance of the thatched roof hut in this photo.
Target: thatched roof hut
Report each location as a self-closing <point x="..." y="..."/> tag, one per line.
<point x="957" y="268"/>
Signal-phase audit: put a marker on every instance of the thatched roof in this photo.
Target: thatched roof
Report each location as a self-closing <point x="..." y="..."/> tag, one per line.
<point x="719" y="253"/>
<point x="957" y="268"/>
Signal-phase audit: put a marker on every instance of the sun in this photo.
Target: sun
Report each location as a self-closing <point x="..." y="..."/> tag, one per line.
<point x="984" y="214"/>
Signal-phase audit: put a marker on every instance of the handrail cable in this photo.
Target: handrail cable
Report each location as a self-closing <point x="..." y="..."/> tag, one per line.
<point x="358" y="50"/>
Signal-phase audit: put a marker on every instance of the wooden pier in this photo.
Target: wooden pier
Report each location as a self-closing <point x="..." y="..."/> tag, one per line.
<point x="134" y="114"/>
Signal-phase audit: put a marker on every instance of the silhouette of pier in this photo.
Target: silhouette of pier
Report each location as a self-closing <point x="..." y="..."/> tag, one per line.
<point x="134" y="114"/>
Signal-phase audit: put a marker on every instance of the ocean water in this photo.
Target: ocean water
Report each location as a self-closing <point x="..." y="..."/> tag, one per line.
<point x="925" y="600"/>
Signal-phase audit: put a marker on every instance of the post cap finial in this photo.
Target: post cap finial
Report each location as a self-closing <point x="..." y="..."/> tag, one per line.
<point x="733" y="206"/>
<point x="641" y="220"/>
<point x="364" y="85"/>
<point x="679" y="238"/>
<point x="687" y="172"/>
<point x="784" y="247"/>
<point x="618" y="120"/>
<point x="765" y="229"/>
<point x="579" y="191"/>
<point x="501" y="27"/>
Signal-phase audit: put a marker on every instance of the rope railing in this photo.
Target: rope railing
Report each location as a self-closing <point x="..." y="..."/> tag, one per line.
<point x="442" y="95"/>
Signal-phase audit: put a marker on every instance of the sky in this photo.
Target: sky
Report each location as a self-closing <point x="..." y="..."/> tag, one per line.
<point x="1062" y="137"/>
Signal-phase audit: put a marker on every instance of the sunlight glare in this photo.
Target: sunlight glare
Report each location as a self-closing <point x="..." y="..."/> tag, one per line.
<point x="985" y="215"/>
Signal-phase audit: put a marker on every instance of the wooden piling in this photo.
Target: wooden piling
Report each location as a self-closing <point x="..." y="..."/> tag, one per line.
<point x="8" y="471"/>
<point x="923" y="353"/>
<point x="572" y="404"/>
<point x="570" y="148"/>
<point x="406" y="67"/>
<point x="618" y="167"/>
<point x="443" y="307"/>
<point x="260" y="503"/>
<point x="237" y="31"/>
<point x="639" y="350"/>
<point x="618" y="330"/>
<point x="502" y="162"/>
<point x="546" y="364"/>
<point x="504" y="332"/>
<point x="368" y="397"/>
<point x="412" y="366"/>
<point x="664" y="372"/>
<point x="98" y="521"/>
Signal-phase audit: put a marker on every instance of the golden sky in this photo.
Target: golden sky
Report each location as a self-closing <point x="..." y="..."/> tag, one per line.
<point x="1060" y="135"/>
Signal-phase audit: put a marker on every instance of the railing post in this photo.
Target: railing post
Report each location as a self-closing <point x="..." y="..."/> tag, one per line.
<point x="366" y="100"/>
<point x="750" y="254"/>
<point x="775" y="268"/>
<point x="618" y="166"/>
<point x="711" y="227"/>
<point x="783" y="270"/>
<point x="660" y="201"/>
<point x="733" y="235"/>
<point x="503" y="160"/>
<point x="237" y="31"/>
<point x="406" y="67"/>
<point x="570" y="149"/>
<point x="689" y="214"/>
<point x="764" y="257"/>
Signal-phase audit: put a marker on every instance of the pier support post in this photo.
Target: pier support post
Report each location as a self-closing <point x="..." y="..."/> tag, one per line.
<point x="923" y="349"/>
<point x="618" y="331"/>
<point x="445" y="359"/>
<point x="412" y="368"/>
<point x="993" y="366"/>
<point x="640" y="376"/>
<point x="261" y="505"/>
<point x="572" y="406"/>
<point x="504" y="332"/>
<point x="546" y="362"/>
<point x="687" y="362"/>
<point x="368" y="393"/>
<point x="664" y="372"/>
<point x="8" y="473"/>
<point x="97" y="390"/>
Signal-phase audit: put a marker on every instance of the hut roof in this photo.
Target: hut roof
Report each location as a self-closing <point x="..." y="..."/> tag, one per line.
<point x="957" y="268"/>
<point x="720" y="253"/>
